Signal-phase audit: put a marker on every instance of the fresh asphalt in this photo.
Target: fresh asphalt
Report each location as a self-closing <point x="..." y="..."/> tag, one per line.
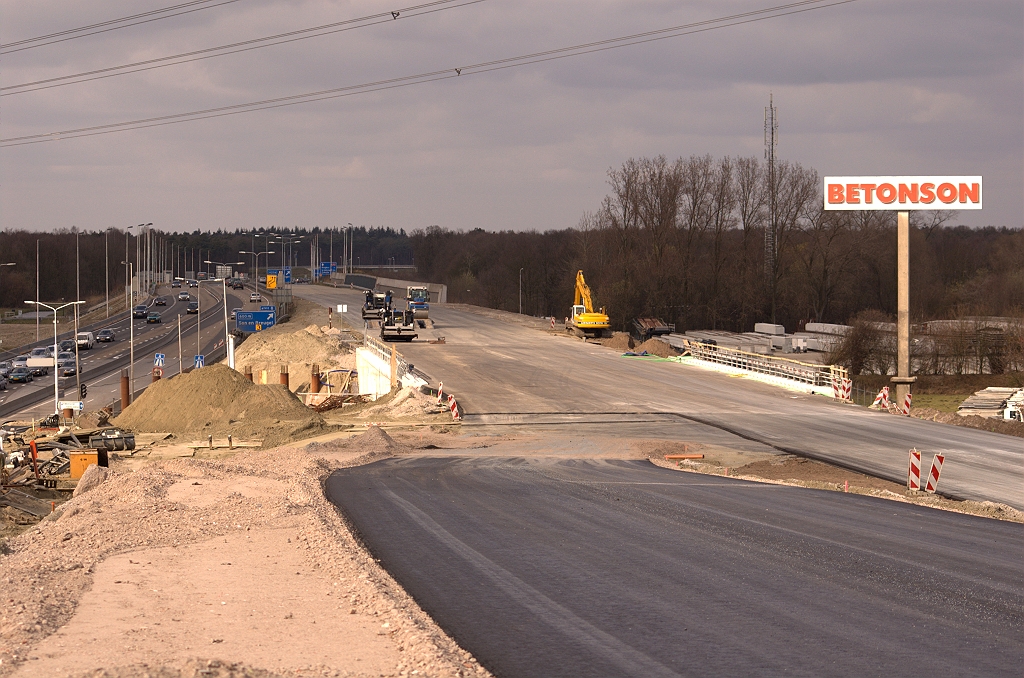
<point x="509" y="376"/>
<point x="571" y="567"/>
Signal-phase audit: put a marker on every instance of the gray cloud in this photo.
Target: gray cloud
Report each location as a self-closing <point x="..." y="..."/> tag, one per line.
<point x="871" y="87"/>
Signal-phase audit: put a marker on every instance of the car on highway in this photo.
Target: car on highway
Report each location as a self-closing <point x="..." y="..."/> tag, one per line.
<point x="193" y="283"/>
<point x="238" y="285"/>
<point x="86" y="340"/>
<point x="255" y="297"/>
<point x="5" y="368"/>
<point x="183" y="296"/>
<point x="105" y="335"/>
<point x="193" y="307"/>
<point x="67" y="365"/>
<point x="153" y="317"/>
<point x="234" y="311"/>
<point x="19" y="361"/>
<point x="175" y="284"/>
<point x="66" y="345"/>
<point x="41" y="352"/>
<point x="140" y="311"/>
<point x="160" y="301"/>
<point x="3" y="383"/>
<point x="20" y="375"/>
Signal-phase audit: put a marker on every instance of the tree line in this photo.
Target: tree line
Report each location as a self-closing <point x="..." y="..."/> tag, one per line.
<point x="685" y="240"/>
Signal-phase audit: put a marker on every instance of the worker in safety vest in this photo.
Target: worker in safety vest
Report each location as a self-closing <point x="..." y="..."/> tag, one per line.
<point x="387" y="300"/>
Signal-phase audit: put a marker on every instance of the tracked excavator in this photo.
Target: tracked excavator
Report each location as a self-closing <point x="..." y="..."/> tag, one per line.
<point x="585" y="322"/>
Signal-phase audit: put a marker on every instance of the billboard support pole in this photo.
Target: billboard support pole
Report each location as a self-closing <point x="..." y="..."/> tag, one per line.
<point x="903" y="380"/>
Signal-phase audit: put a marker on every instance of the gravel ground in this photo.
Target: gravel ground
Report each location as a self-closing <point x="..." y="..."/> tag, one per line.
<point x="128" y="578"/>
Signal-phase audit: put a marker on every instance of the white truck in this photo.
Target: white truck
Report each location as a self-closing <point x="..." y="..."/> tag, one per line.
<point x="85" y="340"/>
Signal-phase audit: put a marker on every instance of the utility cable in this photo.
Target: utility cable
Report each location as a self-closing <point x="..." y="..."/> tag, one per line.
<point x="243" y="46"/>
<point x="105" y="26"/>
<point x="432" y="76"/>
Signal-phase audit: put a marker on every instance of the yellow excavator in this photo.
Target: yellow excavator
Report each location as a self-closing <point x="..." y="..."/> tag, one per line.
<point x="585" y="322"/>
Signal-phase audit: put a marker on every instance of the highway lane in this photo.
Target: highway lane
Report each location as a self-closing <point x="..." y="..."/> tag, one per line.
<point x="504" y="373"/>
<point x="101" y="366"/>
<point x="600" y="567"/>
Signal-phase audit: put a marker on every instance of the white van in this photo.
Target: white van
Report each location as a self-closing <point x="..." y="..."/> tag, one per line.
<point x="85" y="340"/>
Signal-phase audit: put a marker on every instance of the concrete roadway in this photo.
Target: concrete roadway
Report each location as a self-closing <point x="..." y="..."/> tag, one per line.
<point x="508" y="374"/>
<point x="553" y="567"/>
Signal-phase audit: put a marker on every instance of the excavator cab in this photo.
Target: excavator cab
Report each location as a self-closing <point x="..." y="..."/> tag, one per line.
<point x="586" y="322"/>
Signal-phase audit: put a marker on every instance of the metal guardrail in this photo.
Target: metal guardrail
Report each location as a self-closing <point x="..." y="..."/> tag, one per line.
<point x="784" y="368"/>
<point x="384" y="351"/>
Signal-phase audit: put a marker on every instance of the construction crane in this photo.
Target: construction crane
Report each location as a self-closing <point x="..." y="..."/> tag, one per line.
<point x="585" y="322"/>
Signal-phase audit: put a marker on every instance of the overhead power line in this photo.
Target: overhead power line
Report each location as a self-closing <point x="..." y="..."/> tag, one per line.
<point x="433" y="76"/>
<point x="112" y="25"/>
<point x="236" y="47"/>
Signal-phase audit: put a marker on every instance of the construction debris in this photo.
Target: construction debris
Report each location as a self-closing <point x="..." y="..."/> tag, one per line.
<point x="994" y="402"/>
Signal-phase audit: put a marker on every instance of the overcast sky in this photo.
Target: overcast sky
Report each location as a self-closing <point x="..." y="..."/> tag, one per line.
<point x="872" y="87"/>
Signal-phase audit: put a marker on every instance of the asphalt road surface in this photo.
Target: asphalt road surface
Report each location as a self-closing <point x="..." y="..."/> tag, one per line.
<point x="558" y="567"/>
<point x="507" y="373"/>
<point x="100" y="366"/>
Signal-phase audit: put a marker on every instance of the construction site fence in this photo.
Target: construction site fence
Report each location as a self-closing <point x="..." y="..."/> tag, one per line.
<point x="384" y="350"/>
<point x="783" y="368"/>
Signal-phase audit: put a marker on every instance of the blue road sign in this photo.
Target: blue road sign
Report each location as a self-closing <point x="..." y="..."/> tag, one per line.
<point x="254" y="321"/>
<point x="158" y="360"/>
<point x="268" y="308"/>
<point x="288" y="274"/>
<point x="200" y="361"/>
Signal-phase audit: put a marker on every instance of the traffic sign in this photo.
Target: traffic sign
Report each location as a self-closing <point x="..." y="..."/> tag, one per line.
<point x="271" y="281"/>
<point x="76" y="405"/>
<point x="158" y="359"/>
<point x="342" y="308"/>
<point x="288" y="275"/>
<point x="254" y="321"/>
<point x="268" y="308"/>
<point x="200" y="361"/>
<point x="158" y="372"/>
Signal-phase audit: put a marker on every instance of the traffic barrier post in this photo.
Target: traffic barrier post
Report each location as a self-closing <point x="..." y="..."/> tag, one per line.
<point x="933" y="474"/>
<point x="914" y="474"/>
<point x="906" y="403"/>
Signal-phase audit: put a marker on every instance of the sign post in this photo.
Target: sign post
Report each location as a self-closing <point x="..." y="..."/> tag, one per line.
<point x="903" y="194"/>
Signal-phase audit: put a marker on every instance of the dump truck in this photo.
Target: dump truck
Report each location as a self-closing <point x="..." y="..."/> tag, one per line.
<point x="373" y="307"/>
<point x="585" y="321"/>
<point x="397" y="325"/>
<point x="418" y="301"/>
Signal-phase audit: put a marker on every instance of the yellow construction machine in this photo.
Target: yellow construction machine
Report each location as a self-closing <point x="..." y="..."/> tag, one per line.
<point x="585" y="322"/>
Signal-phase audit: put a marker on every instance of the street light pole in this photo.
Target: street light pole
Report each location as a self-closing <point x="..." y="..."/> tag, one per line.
<point x="56" y="375"/>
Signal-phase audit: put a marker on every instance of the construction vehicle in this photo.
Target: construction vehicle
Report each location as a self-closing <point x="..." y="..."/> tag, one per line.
<point x="397" y="325"/>
<point x="652" y="327"/>
<point x="585" y="321"/>
<point x="373" y="307"/>
<point x="418" y="299"/>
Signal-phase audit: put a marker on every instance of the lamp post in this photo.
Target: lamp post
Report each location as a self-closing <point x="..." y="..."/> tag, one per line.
<point x="56" y="387"/>
<point x="256" y="260"/>
<point x="199" y="314"/>
<point x="130" y="270"/>
<point x="520" y="291"/>
<point x="224" y="290"/>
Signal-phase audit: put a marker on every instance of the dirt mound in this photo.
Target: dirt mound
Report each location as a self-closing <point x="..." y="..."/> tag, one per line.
<point x="299" y="349"/>
<point x="408" y="402"/>
<point x="373" y="445"/>
<point x="657" y="347"/>
<point x="217" y="400"/>
<point x="1004" y="426"/>
<point x="620" y="341"/>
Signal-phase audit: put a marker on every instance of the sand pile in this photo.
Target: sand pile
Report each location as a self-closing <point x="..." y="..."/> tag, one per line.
<point x="217" y="400"/>
<point x="370" y="446"/>
<point x="299" y="349"/>
<point x="657" y="347"/>
<point x="408" y="402"/>
<point x="620" y="341"/>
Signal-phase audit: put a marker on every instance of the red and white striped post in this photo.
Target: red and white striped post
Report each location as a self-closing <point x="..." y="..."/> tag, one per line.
<point x="552" y="322"/>
<point x="906" y="403"/>
<point x="440" y="386"/>
<point x="882" y="399"/>
<point x="914" y="474"/>
<point x="454" y="408"/>
<point x="933" y="475"/>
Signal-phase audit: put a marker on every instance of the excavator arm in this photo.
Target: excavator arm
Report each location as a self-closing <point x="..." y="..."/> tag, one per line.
<point x="583" y="293"/>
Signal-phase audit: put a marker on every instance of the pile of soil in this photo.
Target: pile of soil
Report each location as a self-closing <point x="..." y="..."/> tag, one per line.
<point x="373" y="445"/>
<point x="657" y="347"/>
<point x="217" y="400"/>
<point x="620" y="341"/>
<point x="406" y="403"/>
<point x="1004" y="426"/>
<point x="299" y="349"/>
